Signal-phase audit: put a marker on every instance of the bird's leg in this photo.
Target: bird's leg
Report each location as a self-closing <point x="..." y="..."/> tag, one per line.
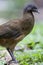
<point x="11" y="53"/>
<point x="13" y="59"/>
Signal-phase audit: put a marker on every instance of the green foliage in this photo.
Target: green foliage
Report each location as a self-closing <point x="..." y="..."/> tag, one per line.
<point x="33" y="50"/>
<point x="2" y="62"/>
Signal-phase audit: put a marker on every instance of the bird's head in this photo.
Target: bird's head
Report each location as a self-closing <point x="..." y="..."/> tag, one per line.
<point x="30" y="9"/>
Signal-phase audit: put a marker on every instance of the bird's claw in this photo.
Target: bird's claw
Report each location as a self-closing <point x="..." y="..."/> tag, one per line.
<point x="11" y="61"/>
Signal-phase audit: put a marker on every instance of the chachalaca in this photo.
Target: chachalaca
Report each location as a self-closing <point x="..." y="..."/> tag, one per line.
<point x="15" y="30"/>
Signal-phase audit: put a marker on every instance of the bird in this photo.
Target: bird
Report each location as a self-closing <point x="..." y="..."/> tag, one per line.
<point x="15" y="30"/>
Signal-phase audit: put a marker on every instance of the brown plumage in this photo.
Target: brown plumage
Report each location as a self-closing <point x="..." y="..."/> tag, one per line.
<point x="15" y="30"/>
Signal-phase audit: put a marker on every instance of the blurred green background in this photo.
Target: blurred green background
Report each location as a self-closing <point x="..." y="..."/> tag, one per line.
<point x="12" y="8"/>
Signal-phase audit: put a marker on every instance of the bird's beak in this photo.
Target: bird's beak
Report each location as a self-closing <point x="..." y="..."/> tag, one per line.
<point x="35" y="10"/>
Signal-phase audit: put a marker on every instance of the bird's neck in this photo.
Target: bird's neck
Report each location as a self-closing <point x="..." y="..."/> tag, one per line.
<point x="28" y="15"/>
<point x="27" y="23"/>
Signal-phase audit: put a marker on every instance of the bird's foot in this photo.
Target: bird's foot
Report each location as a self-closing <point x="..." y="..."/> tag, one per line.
<point x="12" y="62"/>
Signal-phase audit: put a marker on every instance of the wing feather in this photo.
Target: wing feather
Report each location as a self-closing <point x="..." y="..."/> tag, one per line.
<point x="8" y="31"/>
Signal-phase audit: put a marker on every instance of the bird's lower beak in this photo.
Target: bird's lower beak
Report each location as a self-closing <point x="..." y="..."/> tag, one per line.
<point x="35" y="10"/>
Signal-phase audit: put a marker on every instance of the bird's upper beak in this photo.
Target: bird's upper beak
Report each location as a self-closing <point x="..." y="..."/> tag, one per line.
<point x="36" y="10"/>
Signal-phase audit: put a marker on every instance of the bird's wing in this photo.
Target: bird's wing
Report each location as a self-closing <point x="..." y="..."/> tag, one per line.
<point x="9" y="30"/>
